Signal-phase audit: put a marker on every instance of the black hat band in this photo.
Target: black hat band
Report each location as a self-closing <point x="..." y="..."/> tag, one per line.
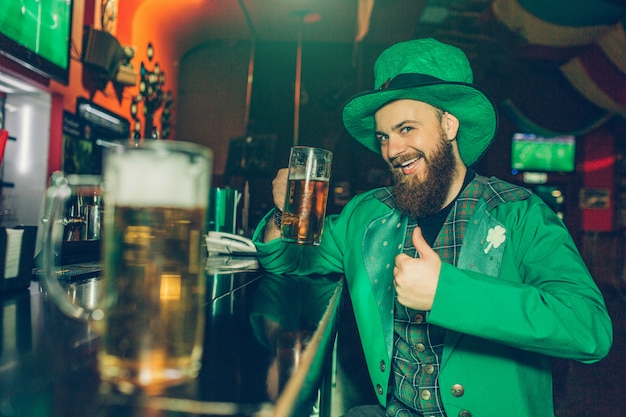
<point x="408" y="80"/>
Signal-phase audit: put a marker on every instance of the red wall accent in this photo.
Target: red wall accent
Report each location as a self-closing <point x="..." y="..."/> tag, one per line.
<point x="598" y="168"/>
<point x="55" y="152"/>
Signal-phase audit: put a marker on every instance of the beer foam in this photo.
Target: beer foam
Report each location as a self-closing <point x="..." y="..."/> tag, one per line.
<point x="157" y="179"/>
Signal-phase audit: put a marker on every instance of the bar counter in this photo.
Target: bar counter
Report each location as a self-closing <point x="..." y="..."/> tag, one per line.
<point x="267" y="352"/>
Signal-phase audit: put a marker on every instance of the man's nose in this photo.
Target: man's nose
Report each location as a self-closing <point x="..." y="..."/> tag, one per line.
<point x="395" y="146"/>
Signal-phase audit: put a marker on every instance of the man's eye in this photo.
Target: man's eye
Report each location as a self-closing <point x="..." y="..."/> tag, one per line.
<point x="382" y="138"/>
<point x="406" y="129"/>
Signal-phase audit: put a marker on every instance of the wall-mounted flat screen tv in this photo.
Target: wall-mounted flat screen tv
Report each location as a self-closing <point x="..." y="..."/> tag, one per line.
<point x="537" y="153"/>
<point x="37" y="34"/>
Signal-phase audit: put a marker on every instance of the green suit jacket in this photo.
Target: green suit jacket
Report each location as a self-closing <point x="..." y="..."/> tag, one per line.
<point x="519" y="294"/>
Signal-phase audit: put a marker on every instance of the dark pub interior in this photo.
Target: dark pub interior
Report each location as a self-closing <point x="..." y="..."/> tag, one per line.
<point x="249" y="79"/>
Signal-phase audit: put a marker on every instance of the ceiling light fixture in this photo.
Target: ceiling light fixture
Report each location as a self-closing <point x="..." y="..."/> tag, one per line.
<point x="11" y="84"/>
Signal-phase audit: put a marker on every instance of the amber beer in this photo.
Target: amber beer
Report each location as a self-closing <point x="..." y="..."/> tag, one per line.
<point x="152" y="314"/>
<point x="307" y="195"/>
<point x="152" y="329"/>
<point x="305" y="209"/>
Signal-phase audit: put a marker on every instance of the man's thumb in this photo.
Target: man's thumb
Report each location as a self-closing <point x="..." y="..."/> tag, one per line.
<point x="422" y="247"/>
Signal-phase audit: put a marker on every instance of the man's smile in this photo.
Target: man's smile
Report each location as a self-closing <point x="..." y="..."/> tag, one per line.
<point x="408" y="165"/>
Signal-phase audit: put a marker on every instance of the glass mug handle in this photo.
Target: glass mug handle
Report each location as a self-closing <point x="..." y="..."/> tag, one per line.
<point x="60" y="192"/>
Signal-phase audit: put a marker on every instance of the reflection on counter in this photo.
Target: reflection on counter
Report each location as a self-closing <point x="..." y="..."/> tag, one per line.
<point x="267" y="344"/>
<point x="293" y="316"/>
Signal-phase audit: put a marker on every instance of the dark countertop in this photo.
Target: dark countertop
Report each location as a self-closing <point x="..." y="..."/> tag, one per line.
<point x="267" y="347"/>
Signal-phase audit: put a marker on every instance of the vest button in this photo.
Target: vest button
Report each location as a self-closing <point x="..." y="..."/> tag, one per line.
<point x="379" y="389"/>
<point x="383" y="366"/>
<point x="465" y="413"/>
<point x="457" y="390"/>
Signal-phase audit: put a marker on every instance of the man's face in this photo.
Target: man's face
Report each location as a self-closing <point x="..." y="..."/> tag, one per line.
<point x="419" y="153"/>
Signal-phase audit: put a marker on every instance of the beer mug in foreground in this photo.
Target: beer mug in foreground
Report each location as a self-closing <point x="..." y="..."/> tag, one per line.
<point x="150" y="315"/>
<point x="307" y="195"/>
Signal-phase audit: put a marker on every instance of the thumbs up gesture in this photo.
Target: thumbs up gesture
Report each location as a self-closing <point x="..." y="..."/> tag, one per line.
<point x="416" y="279"/>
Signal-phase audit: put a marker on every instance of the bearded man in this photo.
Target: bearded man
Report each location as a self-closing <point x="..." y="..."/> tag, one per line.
<point x="462" y="286"/>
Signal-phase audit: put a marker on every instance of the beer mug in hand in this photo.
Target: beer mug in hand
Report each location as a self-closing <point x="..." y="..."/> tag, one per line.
<point x="307" y="195"/>
<point x="150" y="316"/>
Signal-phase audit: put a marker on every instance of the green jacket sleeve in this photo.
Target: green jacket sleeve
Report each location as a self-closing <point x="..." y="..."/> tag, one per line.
<point x="338" y="238"/>
<point x="544" y="299"/>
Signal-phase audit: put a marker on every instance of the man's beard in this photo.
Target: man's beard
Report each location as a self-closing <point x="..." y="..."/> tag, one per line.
<point x="420" y="197"/>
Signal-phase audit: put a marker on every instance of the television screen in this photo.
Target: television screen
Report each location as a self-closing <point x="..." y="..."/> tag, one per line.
<point x="37" y="35"/>
<point x="543" y="154"/>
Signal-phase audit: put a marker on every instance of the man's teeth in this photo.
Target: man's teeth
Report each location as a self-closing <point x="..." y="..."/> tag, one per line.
<point x="407" y="163"/>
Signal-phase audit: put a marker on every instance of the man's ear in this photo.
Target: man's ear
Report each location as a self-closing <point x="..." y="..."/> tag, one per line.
<point x="450" y="125"/>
